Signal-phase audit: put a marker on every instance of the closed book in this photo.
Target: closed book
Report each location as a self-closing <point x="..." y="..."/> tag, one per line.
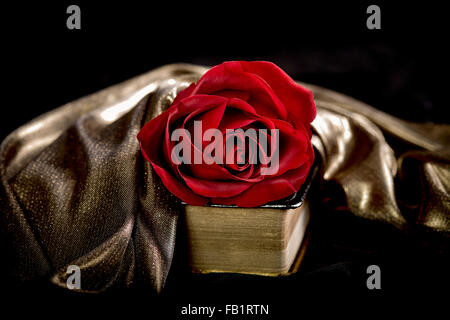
<point x="266" y="240"/>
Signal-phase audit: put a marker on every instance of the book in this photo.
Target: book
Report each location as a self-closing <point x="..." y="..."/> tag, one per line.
<point x="267" y="240"/>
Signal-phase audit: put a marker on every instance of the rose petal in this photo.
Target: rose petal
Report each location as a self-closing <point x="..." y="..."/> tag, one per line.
<point x="237" y="94"/>
<point x="183" y="94"/>
<point x="189" y="106"/>
<point x="231" y="76"/>
<point x="234" y="119"/>
<point x="208" y="188"/>
<point x="269" y="189"/>
<point x="293" y="149"/>
<point x="298" y="100"/>
<point x="217" y="172"/>
<point x="150" y="139"/>
<point x="178" y="188"/>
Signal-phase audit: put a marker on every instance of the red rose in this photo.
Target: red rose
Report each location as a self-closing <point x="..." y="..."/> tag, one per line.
<point x="239" y="94"/>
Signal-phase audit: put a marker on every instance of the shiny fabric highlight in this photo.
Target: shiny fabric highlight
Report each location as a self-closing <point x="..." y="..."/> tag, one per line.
<point x="75" y="189"/>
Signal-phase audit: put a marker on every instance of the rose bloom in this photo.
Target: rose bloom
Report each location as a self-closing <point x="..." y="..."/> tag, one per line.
<point x="232" y="95"/>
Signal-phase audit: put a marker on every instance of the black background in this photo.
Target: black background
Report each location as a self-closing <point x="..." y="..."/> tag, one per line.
<point x="400" y="69"/>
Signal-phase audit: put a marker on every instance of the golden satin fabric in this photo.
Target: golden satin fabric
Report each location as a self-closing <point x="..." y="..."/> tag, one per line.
<point x="75" y="189"/>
